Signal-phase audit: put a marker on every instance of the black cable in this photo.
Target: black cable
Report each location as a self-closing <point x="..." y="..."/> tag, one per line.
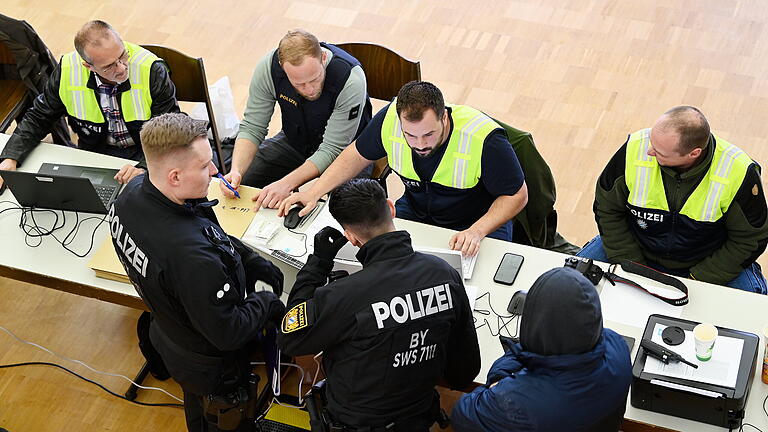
<point x="741" y="429"/>
<point x="304" y="240"/>
<point x="33" y="230"/>
<point x="502" y="321"/>
<point x="174" y="405"/>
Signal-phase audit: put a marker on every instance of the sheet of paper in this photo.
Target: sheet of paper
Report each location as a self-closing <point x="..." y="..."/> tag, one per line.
<point x="234" y="214"/>
<point x="722" y="369"/>
<point x="471" y="295"/>
<point x="322" y="219"/>
<point x="632" y="306"/>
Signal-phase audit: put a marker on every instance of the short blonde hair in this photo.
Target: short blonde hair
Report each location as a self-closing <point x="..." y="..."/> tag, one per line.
<point x="297" y="44"/>
<point x="91" y="34"/>
<point x="170" y="132"/>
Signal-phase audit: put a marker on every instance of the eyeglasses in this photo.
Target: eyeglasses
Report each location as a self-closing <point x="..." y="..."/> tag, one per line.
<point x="123" y="59"/>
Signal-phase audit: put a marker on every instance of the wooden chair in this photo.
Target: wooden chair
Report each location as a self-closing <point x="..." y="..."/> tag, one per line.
<point x="386" y="72"/>
<point x="13" y="92"/>
<point x="188" y="75"/>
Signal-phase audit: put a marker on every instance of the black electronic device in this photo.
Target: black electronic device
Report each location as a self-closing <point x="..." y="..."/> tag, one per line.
<point x="630" y="341"/>
<point x="585" y="266"/>
<point x="695" y="400"/>
<point x="292" y="218"/>
<point x="508" y="269"/>
<point x="664" y="354"/>
<point x="673" y="336"/>
<point x="515" y="306"/>
<point x="64" y="187"/>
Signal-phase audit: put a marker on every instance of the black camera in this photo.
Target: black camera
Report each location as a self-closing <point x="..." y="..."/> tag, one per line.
<point x="586" y="267"/>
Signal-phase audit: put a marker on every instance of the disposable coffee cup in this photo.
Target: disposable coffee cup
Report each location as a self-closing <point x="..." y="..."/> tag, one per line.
<point x="704" y="336"/>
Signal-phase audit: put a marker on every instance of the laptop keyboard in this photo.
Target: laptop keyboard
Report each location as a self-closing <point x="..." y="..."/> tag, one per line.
<point x="105" y="193"/>
<point x="288" y="259"/>
<point x="273" y="426"/>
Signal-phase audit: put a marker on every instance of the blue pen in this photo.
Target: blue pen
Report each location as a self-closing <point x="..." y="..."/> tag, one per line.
<point x="226" y="183"/>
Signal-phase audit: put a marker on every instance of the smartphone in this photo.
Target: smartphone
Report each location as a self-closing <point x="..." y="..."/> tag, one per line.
<point x="508" y="269"/>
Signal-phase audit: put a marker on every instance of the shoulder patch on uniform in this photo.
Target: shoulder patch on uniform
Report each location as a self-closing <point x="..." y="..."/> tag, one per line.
<point x="354" y="112"/>
<point x="755" y="190"/>
<point x="296" y="318"/>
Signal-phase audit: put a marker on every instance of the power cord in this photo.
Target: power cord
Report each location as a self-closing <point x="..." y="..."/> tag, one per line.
<point x="502" y="321"/>
<point x="101" y="386"/>
<point x="741" y="429"/>
<point x="88" y="367"/>
<point x="303" y="239"/>
<point x="34" y="232"/>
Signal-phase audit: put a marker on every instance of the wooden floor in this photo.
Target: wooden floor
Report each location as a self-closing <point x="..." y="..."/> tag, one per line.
<point x="579" y="74"/>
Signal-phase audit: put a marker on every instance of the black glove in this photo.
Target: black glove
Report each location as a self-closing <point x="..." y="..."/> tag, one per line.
<point x="328" y="242"/>
<point x="257" y="268"/>
<point x="275" y="314"/>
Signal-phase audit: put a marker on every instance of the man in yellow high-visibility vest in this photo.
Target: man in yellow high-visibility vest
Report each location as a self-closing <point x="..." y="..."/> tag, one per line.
<point x="684" y="201"/>
<point x="108" y="89"/>
<point x="458" y="167"/>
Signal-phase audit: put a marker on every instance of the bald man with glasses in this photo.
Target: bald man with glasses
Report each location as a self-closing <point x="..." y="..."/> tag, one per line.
<point x="108" y="89"/>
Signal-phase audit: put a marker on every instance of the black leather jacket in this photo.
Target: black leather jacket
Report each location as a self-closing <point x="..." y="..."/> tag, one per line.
<point x="48" y="108"/>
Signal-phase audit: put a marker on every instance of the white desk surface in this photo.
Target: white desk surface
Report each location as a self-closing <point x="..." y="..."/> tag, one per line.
<point x="721" y="306"/>
<point x="49" y="259"/>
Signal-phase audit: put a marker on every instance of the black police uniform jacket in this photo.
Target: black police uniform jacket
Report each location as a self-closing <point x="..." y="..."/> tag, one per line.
<point x="303" y="120"/>
<point x="388" y="332"/>
<point x="191" y="276"/>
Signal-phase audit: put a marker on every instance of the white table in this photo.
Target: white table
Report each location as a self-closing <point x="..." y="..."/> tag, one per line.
<point x="51" y="266"/>
<point x="718" y="305"/>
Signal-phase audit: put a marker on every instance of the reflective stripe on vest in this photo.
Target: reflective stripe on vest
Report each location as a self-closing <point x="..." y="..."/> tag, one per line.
<point x="83" y="103"/>
<point x="711" y="198"/>
<point x="460" y="166"/>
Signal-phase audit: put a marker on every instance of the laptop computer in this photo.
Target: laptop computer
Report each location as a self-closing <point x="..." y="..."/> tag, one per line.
<point x="64" y="187"/>
<point x="464" y="265"/>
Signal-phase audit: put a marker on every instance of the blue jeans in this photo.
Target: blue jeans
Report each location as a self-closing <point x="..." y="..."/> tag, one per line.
<point x="404" y="211"/>
<point x="750" y="279"/>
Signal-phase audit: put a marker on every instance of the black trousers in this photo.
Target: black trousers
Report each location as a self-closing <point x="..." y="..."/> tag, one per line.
<point x="196" y="420"/>
<point x="275" y="159"/>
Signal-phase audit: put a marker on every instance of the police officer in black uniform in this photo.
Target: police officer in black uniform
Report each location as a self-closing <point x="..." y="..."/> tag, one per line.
<point x="197" y="281"/>
<point x="389" y="332"/>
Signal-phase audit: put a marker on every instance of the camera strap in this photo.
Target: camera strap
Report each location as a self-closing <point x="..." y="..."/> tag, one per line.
<point x="639" y="269"/>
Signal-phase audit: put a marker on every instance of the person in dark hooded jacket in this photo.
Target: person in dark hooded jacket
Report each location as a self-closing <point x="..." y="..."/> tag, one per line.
<point x="567" y="372"/>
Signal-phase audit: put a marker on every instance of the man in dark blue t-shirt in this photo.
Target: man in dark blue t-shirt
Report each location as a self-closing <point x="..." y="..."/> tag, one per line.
<point x="459" y="169"/>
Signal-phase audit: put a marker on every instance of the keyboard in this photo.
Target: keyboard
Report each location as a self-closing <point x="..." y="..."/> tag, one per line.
<point x="288" y="259"/>
<point x="105" y="193"/>
<point x="468" y="266"/>
<point x="266" y="425"/>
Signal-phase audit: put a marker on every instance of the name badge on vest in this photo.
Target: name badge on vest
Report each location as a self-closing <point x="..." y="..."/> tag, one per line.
<point x="411" y="184"/>
<point x="644" y="218"/>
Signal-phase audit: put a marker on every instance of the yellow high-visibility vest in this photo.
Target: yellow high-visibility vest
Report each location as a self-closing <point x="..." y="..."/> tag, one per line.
<point x="460" y="166"/>
<point x="83" y="103"/>
<point x="711" y="198"/>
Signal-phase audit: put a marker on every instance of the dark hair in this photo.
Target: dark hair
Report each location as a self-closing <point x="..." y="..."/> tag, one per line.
<point x="361" y="204"/>
<point x="415" y="97"/>
<point x="691" y="125"/>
